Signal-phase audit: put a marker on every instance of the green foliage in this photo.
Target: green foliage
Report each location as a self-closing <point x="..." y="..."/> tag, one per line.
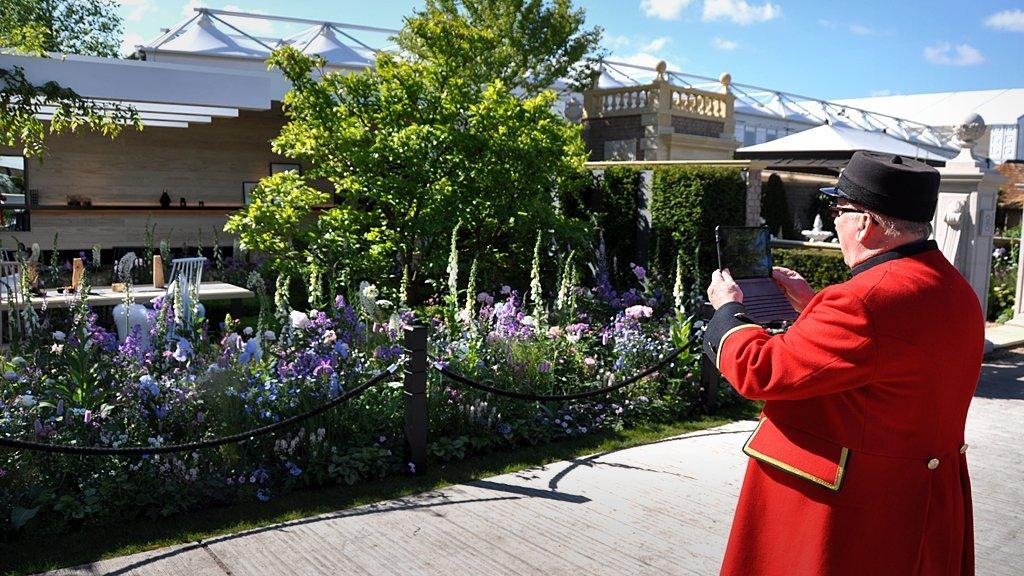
<point x="1002" y="286"/>
<point x="277" y="221"/>
<point x="88" y="27"/>
<point x="524" y="44"/>
<point x="775" y="208"/>
<point x="617" y="212"/>
<point x="411" y="152"/>
<point x="20" y="101"/>
<point x="821" y="267"/>
<point x="687" y="203"/>
<point x="70" y="26"/>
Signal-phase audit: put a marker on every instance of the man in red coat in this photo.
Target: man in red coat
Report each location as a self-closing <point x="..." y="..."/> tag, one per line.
<point x="858" y="464"/>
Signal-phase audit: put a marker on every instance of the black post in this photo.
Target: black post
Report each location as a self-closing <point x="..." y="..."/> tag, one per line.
<point x="416" y="399"/>
<point x="709" y="379"/>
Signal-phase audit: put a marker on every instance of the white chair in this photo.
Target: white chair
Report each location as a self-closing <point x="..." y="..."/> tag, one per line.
<point x="190" y="268"/>
<point x="12" y="295"/>
<point x="188" y="272"/>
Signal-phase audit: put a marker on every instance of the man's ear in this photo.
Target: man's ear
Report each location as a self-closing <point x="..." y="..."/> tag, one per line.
<point x="869" y="231"/>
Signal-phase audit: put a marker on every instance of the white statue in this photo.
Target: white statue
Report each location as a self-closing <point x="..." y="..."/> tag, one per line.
<point x="816" y="234"/>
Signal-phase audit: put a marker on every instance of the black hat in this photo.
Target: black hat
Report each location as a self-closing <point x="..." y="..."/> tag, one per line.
<point x="888" y="184"/>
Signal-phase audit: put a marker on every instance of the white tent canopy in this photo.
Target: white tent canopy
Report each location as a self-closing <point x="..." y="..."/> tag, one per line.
<point x="832" y="140"/>
<point x="222" y="34"/>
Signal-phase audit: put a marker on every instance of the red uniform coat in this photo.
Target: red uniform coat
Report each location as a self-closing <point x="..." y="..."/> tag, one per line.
<point x="858" y="465"/>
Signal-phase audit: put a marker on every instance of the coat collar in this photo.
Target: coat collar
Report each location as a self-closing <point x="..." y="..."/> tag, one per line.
<point x="896" y="253"/>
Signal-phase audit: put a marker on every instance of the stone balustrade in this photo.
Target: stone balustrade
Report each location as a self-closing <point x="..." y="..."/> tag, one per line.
<point x="659" y="96"/>
<point x="699" y="102"/>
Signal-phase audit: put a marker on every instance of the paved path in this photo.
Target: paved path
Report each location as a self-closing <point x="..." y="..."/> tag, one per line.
<point x="663" y="508"/>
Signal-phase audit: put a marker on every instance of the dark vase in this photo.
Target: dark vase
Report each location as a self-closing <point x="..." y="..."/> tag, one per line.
<point x="165" y="200"/>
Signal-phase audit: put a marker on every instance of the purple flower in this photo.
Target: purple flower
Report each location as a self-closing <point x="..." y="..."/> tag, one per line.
<point x="148" y="386"/>
<point x="263" y="495"/>
<point x="638" y="271"/>
<point x="252" y="351"/>
<point x="183" y="351"/>
<point x="293" y="469"/>
<point x="544" y="367"/>
<point x="87" y="418"/>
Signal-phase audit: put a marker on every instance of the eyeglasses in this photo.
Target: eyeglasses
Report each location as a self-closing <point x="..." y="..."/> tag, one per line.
<point x="837" y="211"/>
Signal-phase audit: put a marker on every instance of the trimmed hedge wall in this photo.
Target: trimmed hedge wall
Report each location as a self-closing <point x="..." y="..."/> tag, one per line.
<point x="687" y="203"/>
<point x="617" y="212"/>
<point x="820" y="267"/>
<point x="775" y="208"/>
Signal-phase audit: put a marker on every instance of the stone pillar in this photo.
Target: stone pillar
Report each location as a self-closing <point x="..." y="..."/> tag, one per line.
<point x="965" y="217"/>
<point x="753" y="204"/>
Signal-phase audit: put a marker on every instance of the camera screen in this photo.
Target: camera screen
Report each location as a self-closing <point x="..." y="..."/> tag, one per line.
<point x="744" y="251"/>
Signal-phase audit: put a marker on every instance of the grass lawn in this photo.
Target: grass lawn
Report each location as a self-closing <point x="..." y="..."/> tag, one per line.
<point x="31" y="556"/>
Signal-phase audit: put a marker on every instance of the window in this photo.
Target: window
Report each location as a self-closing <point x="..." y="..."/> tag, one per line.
<point x="750" y="136"/>
<point x="13" y="194"/>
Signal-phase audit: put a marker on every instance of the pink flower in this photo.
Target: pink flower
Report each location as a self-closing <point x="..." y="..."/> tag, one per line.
<point x="639" y="311"/>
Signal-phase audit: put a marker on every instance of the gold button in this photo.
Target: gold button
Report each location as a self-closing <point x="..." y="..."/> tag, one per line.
<point x="933" y="463"/>
<point x="963" y="449"/>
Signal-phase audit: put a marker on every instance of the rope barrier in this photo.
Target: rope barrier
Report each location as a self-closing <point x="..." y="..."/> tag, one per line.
<point x="562" y="397"/>
<point x="235" y="438"/>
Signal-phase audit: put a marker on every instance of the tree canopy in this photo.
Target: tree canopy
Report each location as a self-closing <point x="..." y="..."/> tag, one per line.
<point x="36" y="27"/>
<point x="526" y="44"/>
<point x="90" y="27"/>
<point x="418" y="145"/>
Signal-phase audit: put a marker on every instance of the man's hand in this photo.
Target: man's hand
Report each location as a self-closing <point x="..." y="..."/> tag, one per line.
<point x="797" y="290"/>
<point x="723" y="289"/>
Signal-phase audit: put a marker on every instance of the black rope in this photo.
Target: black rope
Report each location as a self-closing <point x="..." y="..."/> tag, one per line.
<point x="561" y="397"/>
<point x="235" y="438"/>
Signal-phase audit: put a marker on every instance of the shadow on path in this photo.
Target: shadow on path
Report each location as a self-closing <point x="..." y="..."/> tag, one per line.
<point x="591" y="460"/>
<point x="1002" y="378"/>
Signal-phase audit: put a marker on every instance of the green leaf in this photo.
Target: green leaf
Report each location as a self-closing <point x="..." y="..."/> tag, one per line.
<point x="19" y="515"/>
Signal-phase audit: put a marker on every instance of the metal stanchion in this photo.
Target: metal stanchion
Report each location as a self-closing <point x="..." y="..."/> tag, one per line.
<point x="415" y="386"/>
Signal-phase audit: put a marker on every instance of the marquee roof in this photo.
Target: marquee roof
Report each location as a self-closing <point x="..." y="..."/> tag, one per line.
<point x="231" y="34"/>
<point x="839" y="142"/>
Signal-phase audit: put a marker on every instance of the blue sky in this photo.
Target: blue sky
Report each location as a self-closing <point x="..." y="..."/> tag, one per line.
<point x="819" y="49"/>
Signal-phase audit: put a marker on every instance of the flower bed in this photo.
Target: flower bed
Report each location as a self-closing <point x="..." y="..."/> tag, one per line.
<point x="77" y="385"/>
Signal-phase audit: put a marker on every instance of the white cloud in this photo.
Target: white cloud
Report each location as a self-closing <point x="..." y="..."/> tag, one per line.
<point x="883" y="92"/>
<point x="130" y="41"/>
<point x="739" y="11"/>
<point x="861" y="30"/>
<point x="664" y="9"/>
<point x="828" y="24"/>
<point x="646" y="60"/>
<point x="946" y="54"/>
<point x="188" y="10"/>
<point x="656" y="45"/>
<point x="620" y="41"/>
<point x="723" y="44"/>
<point x="1008" y="20"/>
<point x="137" y="9"/>
<point x="250" y="25"/>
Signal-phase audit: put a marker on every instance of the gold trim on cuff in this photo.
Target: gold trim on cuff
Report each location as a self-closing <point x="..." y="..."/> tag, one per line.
<point x="833" y="486"/>
<point x="721" y="342"/>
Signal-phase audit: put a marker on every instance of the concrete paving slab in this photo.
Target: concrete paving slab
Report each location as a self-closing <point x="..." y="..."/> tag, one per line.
<point x="662" y="508"/>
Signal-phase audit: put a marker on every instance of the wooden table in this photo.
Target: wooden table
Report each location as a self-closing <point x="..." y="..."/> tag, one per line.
<point x="105" y="296"/>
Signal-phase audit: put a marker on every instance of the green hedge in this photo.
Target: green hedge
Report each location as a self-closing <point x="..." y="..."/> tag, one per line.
<point x="617" y="213"/>
<point x="819" y="266"/>
<point x="687" y="203"/>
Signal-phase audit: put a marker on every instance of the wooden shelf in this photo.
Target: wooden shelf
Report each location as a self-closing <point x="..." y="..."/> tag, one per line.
<point x="108" y="209"/>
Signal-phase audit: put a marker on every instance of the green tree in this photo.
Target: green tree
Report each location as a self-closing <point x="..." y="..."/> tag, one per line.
<point x="91" y="27"/>
<point x="411" y="151"/>
<point x="36" y="27"/>
<point x="526" y="44"/>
